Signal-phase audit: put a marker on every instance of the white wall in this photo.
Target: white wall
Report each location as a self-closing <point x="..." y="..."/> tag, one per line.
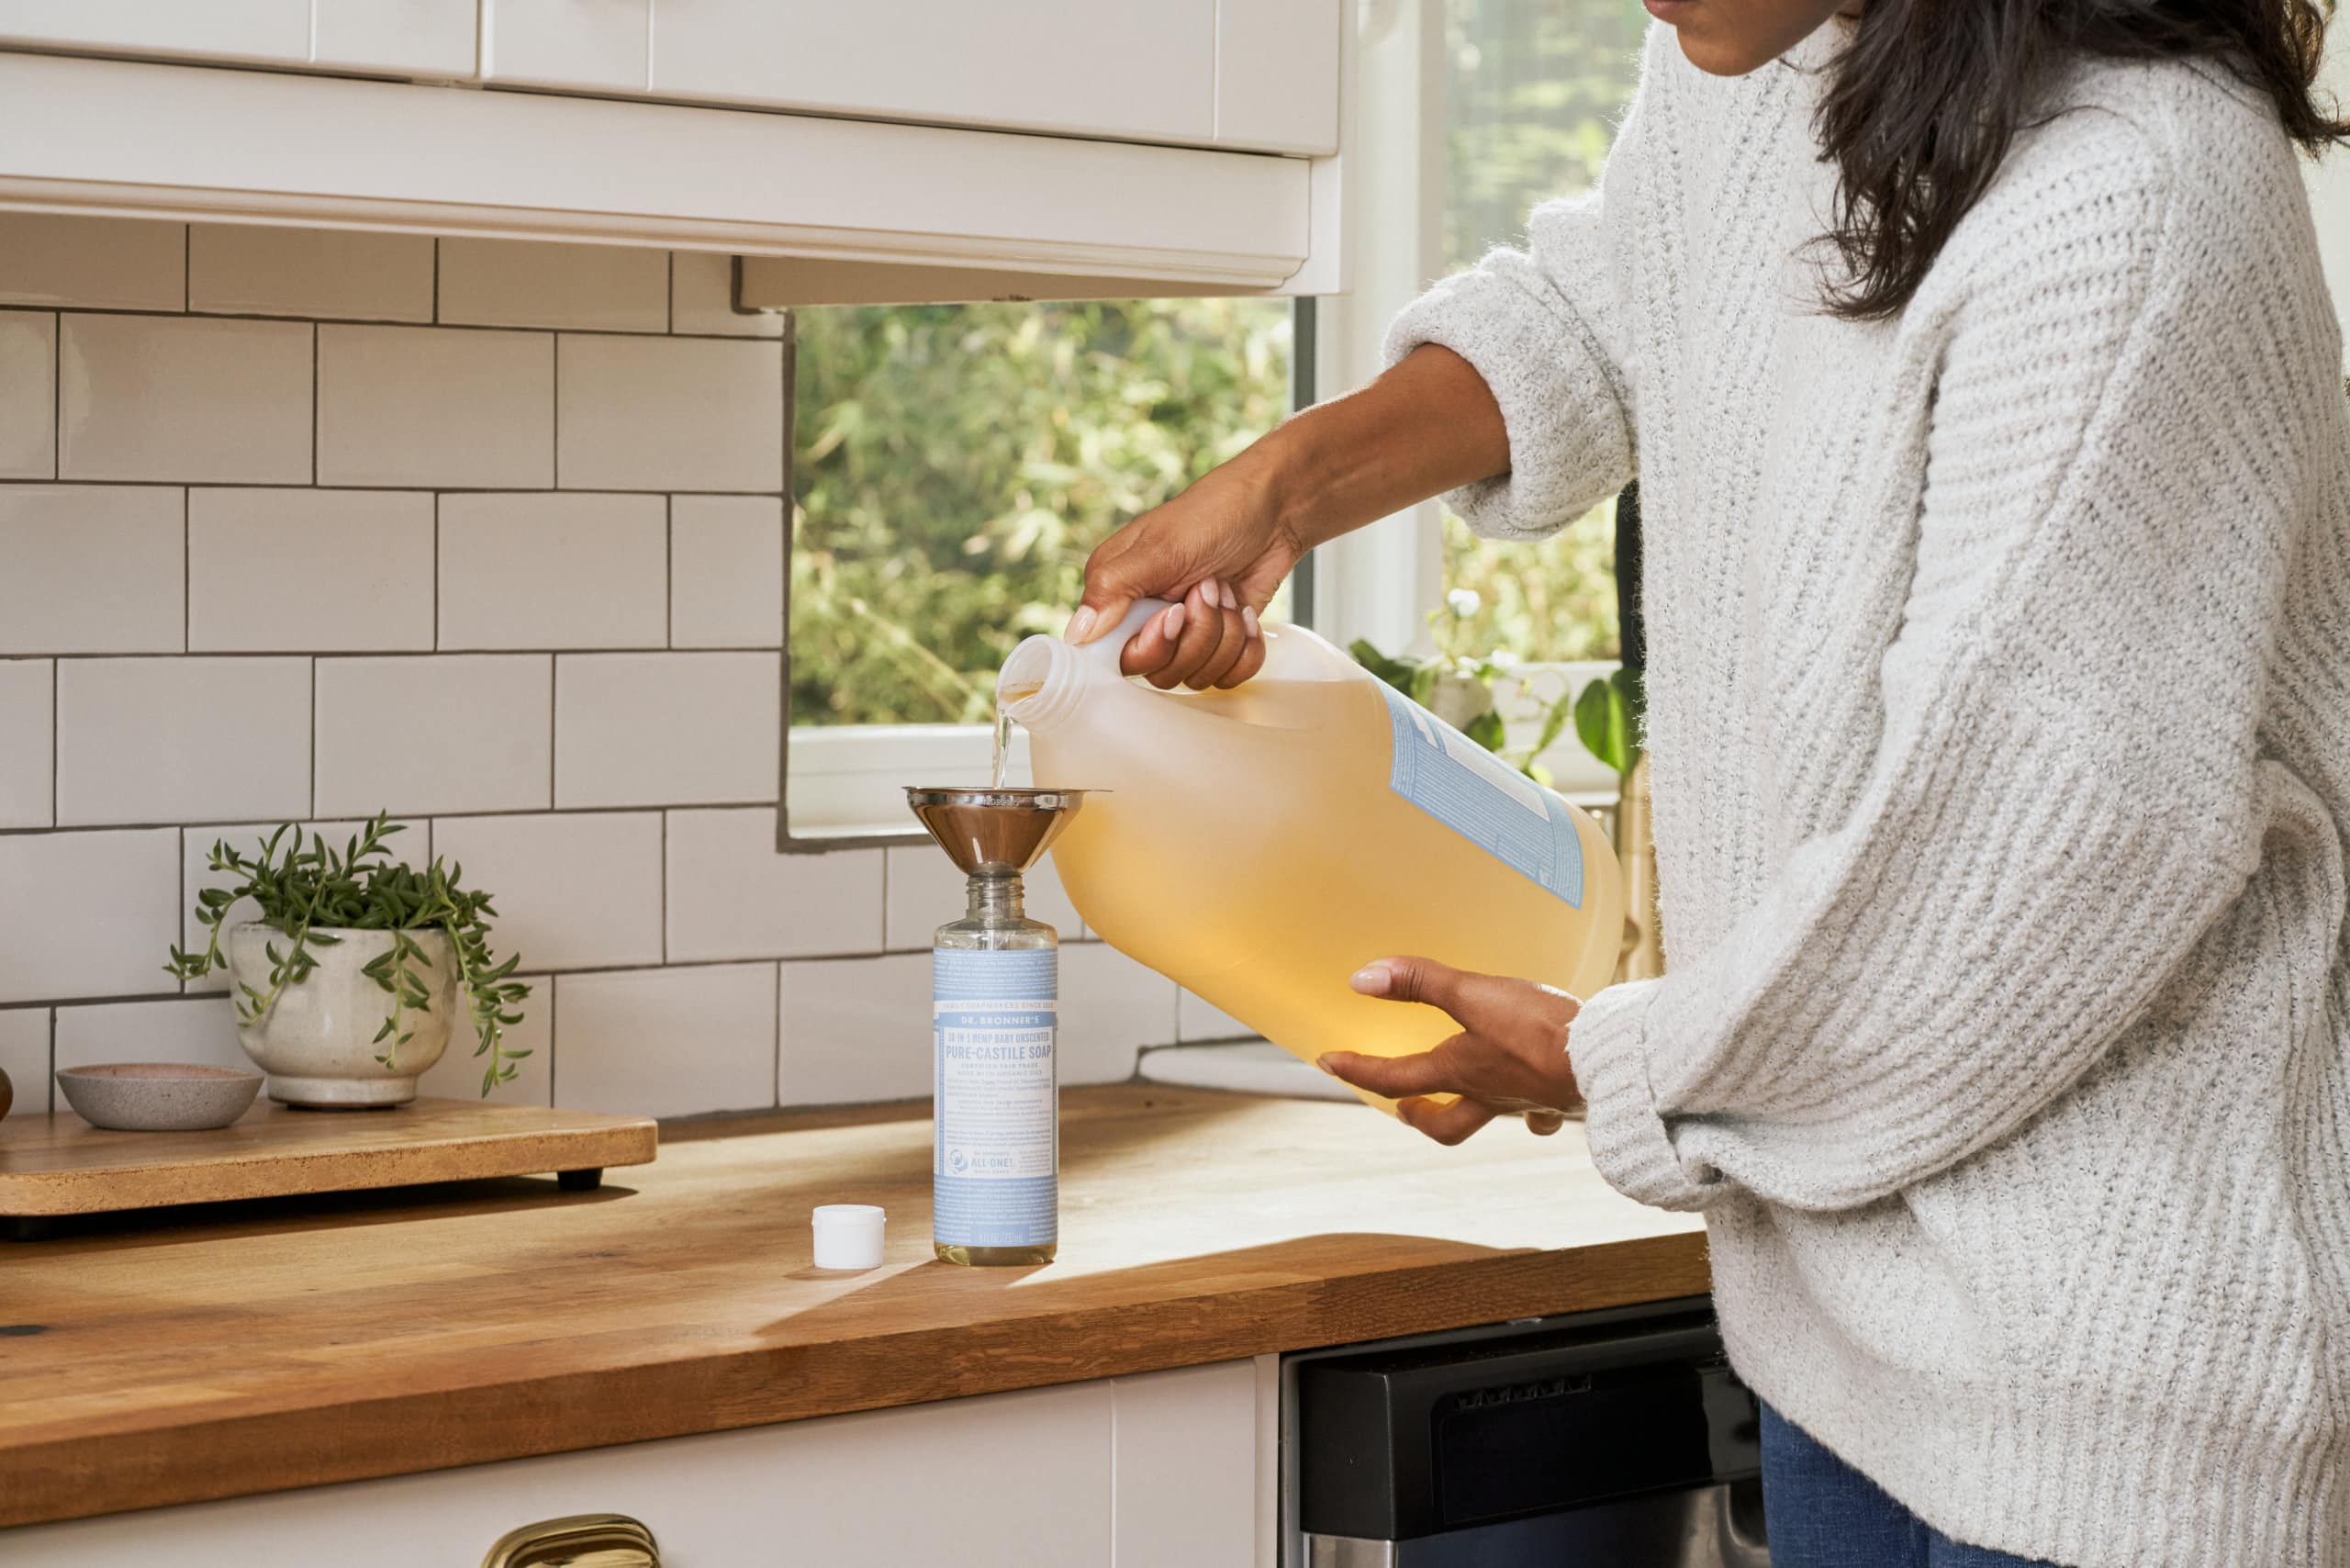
<point x="303" y="524"/>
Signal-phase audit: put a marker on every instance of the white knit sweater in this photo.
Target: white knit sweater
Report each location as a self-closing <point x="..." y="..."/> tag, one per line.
<point x="1999" y="712"/>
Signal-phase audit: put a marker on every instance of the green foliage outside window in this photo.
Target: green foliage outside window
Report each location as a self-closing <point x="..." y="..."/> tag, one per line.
<point x="954" y="466"/>
<point x="1535" y="91"/>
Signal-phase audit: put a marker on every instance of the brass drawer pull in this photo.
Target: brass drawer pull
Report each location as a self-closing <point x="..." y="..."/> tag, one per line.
<point x="581" y="1540"/>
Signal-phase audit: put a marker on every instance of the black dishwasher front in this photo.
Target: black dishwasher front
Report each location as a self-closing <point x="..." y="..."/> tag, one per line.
<point x="1616" y="1440"/>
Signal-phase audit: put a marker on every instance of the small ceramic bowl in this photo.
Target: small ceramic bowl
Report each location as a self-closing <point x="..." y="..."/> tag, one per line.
<point x="157" y="1096"/>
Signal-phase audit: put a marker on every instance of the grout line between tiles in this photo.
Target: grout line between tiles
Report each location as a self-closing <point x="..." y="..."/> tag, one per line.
<point x="56" y="394"/>
<point x="669" y="571"/>
<point x="407" y="486"/>
<point x="291" y="317"/>
<point x="318" y="416"/>
<point x="187" y="571"/>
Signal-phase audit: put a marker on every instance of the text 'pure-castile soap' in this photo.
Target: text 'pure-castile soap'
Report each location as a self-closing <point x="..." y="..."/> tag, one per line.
<point x="1258" y="845"/>
<point x="995" y="1015"/>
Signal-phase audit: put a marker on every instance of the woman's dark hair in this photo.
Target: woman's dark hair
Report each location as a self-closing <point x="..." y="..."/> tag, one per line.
<point x="1924" y="101"/>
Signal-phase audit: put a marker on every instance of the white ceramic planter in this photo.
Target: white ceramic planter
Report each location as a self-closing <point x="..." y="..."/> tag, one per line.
<point x="318" y="1043"/>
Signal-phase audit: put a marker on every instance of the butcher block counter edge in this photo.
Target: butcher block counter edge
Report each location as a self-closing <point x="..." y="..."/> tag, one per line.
<point x="1327" y="1260"/>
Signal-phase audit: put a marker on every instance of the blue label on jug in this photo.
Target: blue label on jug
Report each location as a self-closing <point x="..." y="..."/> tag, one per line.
<point x="1483" y="799"/>
<point x="995" y="1152"/>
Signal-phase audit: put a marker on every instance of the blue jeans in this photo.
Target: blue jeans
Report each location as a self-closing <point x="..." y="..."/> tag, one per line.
<point x="1824" y="1514"/>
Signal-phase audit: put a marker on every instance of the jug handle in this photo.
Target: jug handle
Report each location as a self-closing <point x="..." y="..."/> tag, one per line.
<point x="1103" y="651"/>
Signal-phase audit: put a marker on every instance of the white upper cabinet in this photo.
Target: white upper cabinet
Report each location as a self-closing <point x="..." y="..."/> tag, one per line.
<point x="403" y="37"/>
<point x="400" y="38"/>
<point x="588" y="46"/>
<point x="1277" y="75"/>
<point x="269" y="31"/>
<point x="1023" y="145"/>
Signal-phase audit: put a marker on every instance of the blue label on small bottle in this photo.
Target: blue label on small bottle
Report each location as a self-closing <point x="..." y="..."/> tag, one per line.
<point x="995" y="1144"/>
<point x="1483" y="799"/>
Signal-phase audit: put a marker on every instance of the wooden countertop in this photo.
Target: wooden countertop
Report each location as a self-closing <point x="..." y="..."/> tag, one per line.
<point x="257" y="1346"/>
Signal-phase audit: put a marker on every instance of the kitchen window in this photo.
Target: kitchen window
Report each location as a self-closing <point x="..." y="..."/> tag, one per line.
<point x="953" y="466"/>
<point x="1533" y="91"/>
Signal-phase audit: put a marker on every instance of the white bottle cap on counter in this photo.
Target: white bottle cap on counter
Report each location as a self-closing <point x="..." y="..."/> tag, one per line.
<point x="848" y="1236"/>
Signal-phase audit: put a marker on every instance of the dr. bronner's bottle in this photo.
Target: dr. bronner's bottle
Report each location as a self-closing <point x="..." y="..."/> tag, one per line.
<point x="995" y="1002"/>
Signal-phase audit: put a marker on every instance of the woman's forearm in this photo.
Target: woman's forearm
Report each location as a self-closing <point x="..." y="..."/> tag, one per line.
<point x="1429" y="425"/>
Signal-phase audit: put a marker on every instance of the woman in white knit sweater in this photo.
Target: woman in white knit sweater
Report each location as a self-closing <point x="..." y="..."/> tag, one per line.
<point x="1985" y="398"/>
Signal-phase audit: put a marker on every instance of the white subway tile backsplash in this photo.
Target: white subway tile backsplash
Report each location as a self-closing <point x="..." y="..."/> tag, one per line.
<point x="670" y="414"/>
<point x="91" y="568"/>
<point x="927" y="891"/>
<point x="297" y="472"/>
<point x="178" y="740"/>
<point x="445" y="733"/>
<point x="572" y="892"/>
<point x="309" y="571"/>
<point x="251" y="269"/>
<point x="529" y="283"/>
<point x="701" y="299"/>
<point x="431" y="406"/>
<point x="87" y="914"/>
<point x="27" y="736"/>
<point x="1197" y="1020"/>
<point x="91" y="263"/>
<point x="726" y="572"/>
<point x="667" y="1042"/>
<point x="411" y="846"/>
<point x="184" y="398"/>
<point x="597" y="566"/>
<point x="24" y="1057"/>
<point x="732" y="896"/>
<point x="666" y="729"/>
<point x="458" y="1074"/>
<point x="856" y="1030"/>
<point x="1110" y="1008"/>
<point x="197" y="1029"/>
<point x="28" y="394"/>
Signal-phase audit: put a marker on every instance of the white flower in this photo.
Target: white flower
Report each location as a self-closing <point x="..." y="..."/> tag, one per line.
<point x="1465" y="602"/>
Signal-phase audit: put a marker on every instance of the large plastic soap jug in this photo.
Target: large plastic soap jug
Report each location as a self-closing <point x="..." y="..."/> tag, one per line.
<point x="1258" y="845"/>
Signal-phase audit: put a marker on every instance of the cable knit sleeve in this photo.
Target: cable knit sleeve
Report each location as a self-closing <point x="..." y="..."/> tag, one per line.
<point x="1542" y="325"/>
<point x="2066" y="790"/>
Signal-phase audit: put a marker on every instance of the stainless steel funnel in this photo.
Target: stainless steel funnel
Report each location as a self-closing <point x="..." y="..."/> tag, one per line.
<point x="994" y="832"/>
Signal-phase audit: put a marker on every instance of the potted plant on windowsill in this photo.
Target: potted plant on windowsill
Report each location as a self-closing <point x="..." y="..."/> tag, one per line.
<point x="347" y="985"/>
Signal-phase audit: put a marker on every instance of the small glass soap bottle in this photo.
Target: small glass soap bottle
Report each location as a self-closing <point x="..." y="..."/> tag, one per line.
<point x="995" y="1151"/>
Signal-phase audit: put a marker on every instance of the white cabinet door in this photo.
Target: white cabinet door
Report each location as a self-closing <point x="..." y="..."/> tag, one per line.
<point x="587" y="45"/>
<point x="1193" y="1450"/>
<point x="1277" y="75"/>
<point x="1009" y="1480"/>
<point x="401" y="38"/>
<point x="1139" y="69"/>
<point x="277" y="31"/>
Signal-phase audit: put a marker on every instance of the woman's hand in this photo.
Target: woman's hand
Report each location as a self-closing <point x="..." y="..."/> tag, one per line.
<point x="1220" y="551"/>
<point x="1509" y="1060"/>
<point x="1221" y="547"/>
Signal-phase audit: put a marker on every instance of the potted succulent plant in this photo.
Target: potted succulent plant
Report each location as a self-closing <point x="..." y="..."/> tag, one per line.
<point x="346" y="985"/>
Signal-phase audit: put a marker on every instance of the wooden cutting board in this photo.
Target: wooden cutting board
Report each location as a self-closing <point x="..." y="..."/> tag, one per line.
<point x="59" y="1164"/>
